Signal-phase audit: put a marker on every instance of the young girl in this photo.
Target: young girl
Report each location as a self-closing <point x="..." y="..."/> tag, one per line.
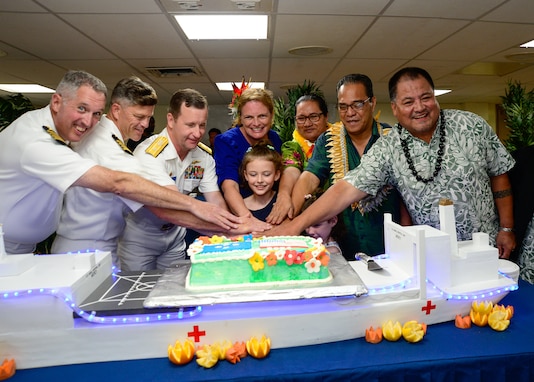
<point x="261" y="168"/>
<point x="327" y="230"/>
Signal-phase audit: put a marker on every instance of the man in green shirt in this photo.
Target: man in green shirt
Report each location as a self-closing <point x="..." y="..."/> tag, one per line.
<point x="339" y="150"/>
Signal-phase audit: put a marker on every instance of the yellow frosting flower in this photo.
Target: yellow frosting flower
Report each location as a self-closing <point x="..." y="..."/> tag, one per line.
<point x="181" y="354"/>
<point x="217" y="239"/>
<point x="498" y="320"/>
<point x="413" y="331"/>
<point x="207" y="356"/>
<point x="256" y="261"/>
<point x="259" y="348"/>
<point x="392" y="331"/>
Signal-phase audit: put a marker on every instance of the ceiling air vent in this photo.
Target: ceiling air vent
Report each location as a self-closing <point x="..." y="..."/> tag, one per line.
<point x="176" y="71"/>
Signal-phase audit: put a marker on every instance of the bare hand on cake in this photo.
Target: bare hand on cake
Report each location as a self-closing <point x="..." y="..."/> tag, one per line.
<point x="216" y="215"/>
<point x="287" y="228"/>
<point x="249" y="224"/>
<point x="282" y="209"/>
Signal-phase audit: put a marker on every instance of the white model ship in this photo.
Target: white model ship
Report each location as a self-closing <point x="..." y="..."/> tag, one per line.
<point x="426" y="276"/>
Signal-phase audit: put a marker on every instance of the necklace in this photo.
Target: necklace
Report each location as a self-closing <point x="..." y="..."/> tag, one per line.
<point x="441" y="151"/>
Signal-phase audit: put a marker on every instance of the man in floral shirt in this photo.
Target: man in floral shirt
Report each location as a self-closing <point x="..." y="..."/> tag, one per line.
<point x="431" y="154"/>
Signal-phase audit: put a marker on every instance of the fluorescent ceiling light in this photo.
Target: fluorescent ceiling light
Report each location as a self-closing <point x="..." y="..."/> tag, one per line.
<point x="223" y="27"/>
<point x="529" y="44"/>
<point x="25" y="88"/>
<point x="227" y="86"/>
<point x="438" y="92"/>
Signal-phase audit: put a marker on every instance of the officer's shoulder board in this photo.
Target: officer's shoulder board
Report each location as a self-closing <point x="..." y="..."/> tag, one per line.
<point x="202" y="146"/>
<point x="156" y="147"/>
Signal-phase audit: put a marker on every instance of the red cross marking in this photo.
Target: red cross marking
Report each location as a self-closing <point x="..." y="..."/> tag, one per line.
<point x="196" y="333"/>
<point x="428" y="307"/>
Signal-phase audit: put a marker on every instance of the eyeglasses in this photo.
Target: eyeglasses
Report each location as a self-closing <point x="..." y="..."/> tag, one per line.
<point x="355" y="106"/>
<point x="314" y="117"/>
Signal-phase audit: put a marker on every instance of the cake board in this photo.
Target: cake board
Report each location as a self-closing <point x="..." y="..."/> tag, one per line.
<point x="170" y="290"/>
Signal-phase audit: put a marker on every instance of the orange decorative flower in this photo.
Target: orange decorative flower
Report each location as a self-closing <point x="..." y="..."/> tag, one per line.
<point x="480" y="311"/>
<point x="392" y="331"/>
<point x="222" y="348"/>
<point x="271" y="259"/>
<point x="207" y="356"/>
<point x="7" y="369"/>
<point x="259" y="348"/>
<point x="462" y="322"/>
<point x="509" y="310"/>
<point x="181" y="354"/>
<point x="324" y="258"/>
<point x="236" y="352"/>
<point x="373" y="336"/>
<point x="498" y="320"/>
<point x="413" y="331"/>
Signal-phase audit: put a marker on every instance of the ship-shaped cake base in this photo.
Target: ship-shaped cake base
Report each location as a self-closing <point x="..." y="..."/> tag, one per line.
<point x="49" y="315"/>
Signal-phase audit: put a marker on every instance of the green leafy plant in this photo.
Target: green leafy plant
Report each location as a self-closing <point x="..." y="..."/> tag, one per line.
<point x="12" y="107"/>
<point x="518" y="105"/>
<point x="284" y="113"/>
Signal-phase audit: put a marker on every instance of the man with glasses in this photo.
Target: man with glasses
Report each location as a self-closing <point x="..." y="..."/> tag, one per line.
<point x="311" y="119"/>
<point x="339" y="150"/>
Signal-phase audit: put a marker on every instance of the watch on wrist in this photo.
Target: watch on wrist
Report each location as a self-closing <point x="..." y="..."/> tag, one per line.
<point x="506" y="229"/>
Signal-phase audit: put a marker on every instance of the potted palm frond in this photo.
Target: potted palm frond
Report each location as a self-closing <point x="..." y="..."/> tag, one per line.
<point x="284" y="113"/>
<point x="518" y="106"/>
<point x="12" y="107"/>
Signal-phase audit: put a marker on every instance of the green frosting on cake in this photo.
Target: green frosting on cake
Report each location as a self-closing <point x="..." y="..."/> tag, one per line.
<point x="220" y="271"/>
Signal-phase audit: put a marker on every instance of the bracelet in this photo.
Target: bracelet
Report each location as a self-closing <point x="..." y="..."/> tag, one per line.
<point x="506" y="229"/>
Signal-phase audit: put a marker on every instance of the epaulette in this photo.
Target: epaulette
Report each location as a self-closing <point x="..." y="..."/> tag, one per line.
<point x="205" y="148"/>
<point x="156" y="147"/>
<point x="121" y="144"/>
<point x="55" y="135"/>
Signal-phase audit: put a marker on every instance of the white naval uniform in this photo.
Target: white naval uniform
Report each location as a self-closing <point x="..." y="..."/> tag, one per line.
<point x="149" y="242"/>
<point x="35" y="171"/>
<point x="94" y="220"/>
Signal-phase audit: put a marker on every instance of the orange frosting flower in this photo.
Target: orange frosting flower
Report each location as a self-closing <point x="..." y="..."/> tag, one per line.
<point x="181" y="354"/>
<point x="7" y="369"/>
<point x="259" y="348"/>
<point x="373" y="336"/>
<point x="271" y="259"/>
<point x="462" y="322"/>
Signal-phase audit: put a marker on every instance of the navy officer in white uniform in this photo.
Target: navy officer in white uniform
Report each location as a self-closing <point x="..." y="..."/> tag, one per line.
<point x="171" y="159"/>
<point x="95" y="220"/>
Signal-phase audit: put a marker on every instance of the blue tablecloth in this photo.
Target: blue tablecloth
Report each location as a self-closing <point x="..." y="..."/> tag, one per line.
<point x="445" y="354"/>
